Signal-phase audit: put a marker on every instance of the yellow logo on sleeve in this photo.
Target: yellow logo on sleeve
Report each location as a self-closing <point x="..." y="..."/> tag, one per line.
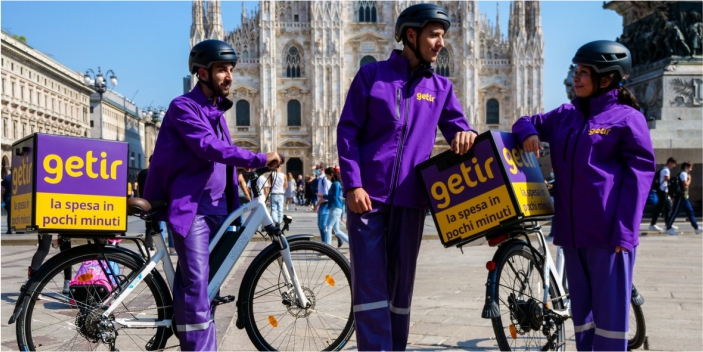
<point x="425" y="96"/>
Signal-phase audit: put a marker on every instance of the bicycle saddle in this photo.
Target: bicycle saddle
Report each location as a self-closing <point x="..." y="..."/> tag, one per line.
<point x="136" y="206"/>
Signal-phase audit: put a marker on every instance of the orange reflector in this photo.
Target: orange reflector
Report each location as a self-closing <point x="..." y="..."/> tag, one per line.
<point x="513" y="331"/>
<point x="547" y="305"/>
<point x="84" y="277"/>
<point x="498" y="240"/>
<point x="273" y="321"/>
<point x="491" y="265"/>
<point x="329" y="280"/>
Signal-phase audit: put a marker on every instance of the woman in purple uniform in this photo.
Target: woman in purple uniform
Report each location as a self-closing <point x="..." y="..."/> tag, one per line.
<point x="603" y="165"/>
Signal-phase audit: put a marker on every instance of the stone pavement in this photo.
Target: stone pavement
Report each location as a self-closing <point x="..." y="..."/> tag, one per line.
<point x="449" y="291"/>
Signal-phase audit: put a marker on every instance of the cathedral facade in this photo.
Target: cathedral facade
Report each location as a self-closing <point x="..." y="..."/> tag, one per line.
<point x="297" y="60"/>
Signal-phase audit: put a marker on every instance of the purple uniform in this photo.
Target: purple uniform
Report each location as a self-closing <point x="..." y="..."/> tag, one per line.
<point x="603" y="165"/>
<point x="188" y="171"/>
<point x="387" y="128"/>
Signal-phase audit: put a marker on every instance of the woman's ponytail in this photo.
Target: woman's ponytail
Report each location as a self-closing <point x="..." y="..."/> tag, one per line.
<point x="626" y="97"/>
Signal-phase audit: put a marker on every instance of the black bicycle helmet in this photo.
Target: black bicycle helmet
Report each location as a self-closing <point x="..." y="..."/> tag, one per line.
<point x="605" y="56"/>
<point x="207" y="52"/>
<point x="418" y="16"/>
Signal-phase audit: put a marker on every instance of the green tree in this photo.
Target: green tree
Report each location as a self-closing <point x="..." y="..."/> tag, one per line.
<point x="21" y="38"/>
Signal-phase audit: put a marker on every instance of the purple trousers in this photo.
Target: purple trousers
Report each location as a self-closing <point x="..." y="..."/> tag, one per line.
<point x="191" y="304"/>
<point x="600" y="286"/>
<point x="383" y="245"/>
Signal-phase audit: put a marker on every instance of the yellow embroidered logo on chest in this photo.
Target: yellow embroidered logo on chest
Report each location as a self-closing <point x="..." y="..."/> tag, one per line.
<point x="602" y="131"/>
<point x="425" y="96"/>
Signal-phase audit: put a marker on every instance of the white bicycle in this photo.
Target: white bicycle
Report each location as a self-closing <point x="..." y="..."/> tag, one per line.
<point x="527" y="298"/>
<point x="295" y="295"/>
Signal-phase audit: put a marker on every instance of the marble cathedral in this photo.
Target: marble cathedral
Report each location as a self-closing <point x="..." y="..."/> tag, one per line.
<point x="298" y="58"/>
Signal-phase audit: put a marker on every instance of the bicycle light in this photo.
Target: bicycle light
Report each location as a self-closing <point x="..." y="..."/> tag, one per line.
<point x="491" y="265"/>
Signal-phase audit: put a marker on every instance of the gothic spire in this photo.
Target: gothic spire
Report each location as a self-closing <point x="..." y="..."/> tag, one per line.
<point x="214" y="20"/>
<point x="197" y="29"/>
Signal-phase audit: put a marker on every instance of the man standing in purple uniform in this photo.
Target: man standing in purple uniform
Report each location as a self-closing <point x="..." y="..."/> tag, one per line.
<point x="191" y="169"/>
<point x="387" y="128"/>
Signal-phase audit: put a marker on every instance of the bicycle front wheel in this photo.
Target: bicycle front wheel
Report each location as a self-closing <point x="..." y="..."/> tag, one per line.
<point x="273" y="319"/>
<point x="520" y="293"/>
<point x="57" y="316"/>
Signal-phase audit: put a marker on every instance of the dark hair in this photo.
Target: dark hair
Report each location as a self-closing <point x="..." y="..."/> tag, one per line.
<point x="671" y="160"/>
<point x="685" y="165"/>
<point x="335" y="175"/>
<point x="625" y="96"/>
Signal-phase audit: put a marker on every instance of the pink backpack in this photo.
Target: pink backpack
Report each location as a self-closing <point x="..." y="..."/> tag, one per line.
<point x="91" y="283"/>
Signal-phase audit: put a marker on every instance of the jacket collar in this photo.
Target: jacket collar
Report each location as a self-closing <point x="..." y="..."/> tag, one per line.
<point x="197" y="94"/>
<point x="401" y="65"/>
<point x="600" y="103"/>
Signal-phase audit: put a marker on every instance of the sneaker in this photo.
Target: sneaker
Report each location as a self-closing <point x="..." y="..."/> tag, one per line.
<point x="339" y="242"/>
<point x="699" y="231"/>
<point x="671" y="232"/>
<point x="674" y="227"/>
<point x="66" y="288"/>
<point x="655" y="228"/>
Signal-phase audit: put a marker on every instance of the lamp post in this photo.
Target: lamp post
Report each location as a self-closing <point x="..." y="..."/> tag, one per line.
<point x="152" y="118"/>
<point x="153" y="113"/>
<point x="98" y="83"/>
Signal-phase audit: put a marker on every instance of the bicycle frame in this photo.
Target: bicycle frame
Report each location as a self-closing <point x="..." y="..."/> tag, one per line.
<point x="550" y="269"/>
<point x="259" y="215"/>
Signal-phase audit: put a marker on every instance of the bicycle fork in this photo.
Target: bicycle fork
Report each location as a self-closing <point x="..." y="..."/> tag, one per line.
<point x="289" y="275"/>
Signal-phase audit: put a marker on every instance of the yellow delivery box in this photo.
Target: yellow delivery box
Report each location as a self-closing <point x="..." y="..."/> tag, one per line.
<point x="496" y="184"/>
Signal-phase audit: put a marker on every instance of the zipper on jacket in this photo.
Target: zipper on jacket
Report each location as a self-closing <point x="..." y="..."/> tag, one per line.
<point x="399" y="155"/>
<point x="397" y="104"/>
<point x="571" y="191"/>
<point x="566" y="146"/>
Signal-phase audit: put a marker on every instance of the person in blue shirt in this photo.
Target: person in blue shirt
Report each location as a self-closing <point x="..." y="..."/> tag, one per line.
<point x="335" y="207"/>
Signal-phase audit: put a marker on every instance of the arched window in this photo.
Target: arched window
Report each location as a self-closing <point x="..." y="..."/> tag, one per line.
<point x="492" y="112"/>
<point x="488" y="55"/>
<point x="367" y="60"/>
<point x="367" y="11"/>
<point x="442" y="66"/>
<point x="243" y="113"/>
<point x="294" y="113"/>
<point x="292" y="63"/>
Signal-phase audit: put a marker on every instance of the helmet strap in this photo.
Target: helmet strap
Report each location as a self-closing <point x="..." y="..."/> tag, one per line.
<point x="416" y="49"/>
<point x="208" y="83"/>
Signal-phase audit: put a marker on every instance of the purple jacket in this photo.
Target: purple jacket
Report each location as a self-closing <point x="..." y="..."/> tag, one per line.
<point x="185" y="154"/>
<point x="603" y="168"/>
<point x="388" y="127"/>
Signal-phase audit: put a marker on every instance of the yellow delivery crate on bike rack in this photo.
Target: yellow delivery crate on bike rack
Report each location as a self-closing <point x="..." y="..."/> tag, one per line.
<point x="496" y="184"/>
<point x="63" y="184"/>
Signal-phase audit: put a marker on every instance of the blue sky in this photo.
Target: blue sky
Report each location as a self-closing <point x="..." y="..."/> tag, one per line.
<point x="146" y="43"/>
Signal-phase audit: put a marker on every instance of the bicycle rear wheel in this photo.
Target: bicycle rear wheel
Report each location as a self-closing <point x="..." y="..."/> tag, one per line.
<point x="637" y="328"/>
<point x="520" y="297"/>
<point x="272" y="318"/>
<point x="56" y="317"/>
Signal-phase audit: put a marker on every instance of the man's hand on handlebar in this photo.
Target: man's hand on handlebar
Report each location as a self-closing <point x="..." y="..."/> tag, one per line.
<point x="273" y="160"/>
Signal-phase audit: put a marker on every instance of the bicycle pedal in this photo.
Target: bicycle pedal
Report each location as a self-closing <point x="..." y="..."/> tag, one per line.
<point x="222" y="300"/>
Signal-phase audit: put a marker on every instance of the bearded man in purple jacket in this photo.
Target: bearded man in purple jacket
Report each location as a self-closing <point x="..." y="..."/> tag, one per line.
<point x="387" y="128"/>
<point x="192" y="158"/>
